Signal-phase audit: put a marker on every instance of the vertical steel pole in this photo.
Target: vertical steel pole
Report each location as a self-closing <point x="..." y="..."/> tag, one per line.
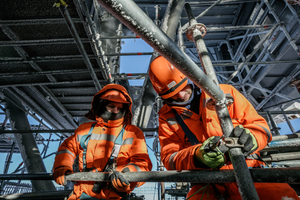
<point x="162" y="195"/>
<point x="274" y="126"/>
<point x="195" y="33"/>
<point x="243" y="176"/>
<point x="7" y="165"/>
<point x="288" y="122"/>
<point x="26" y="142"/>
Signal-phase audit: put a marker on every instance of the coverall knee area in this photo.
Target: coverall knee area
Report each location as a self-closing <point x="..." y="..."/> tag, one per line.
<point x="265" y="191"/>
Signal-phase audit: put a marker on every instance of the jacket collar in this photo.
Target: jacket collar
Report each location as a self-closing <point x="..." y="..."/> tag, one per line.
<point x="110" y="123"/>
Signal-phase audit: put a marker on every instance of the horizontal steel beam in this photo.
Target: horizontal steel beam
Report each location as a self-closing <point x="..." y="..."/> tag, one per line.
<point x="270" y="175"/>
<point x="59" y="131"/>
<point x="274" y="138"/>
<point x="26" y="22"/>
<point x="41" y="42"/>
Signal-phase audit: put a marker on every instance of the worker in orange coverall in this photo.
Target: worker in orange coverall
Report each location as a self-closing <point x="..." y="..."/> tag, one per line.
<point x="188" y="127"/>
<point x="109" y="143"/>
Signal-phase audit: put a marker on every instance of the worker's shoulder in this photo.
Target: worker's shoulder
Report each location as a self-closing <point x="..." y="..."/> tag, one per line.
<point x="131" y="127"/>
<point x="227" y="88"/>
<point x="134" y="131"/>
<point x="85" y="126"/>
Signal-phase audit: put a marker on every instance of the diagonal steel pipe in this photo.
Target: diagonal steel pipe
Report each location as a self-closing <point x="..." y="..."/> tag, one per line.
<point x="136" y="20"/>
<point x="256" y="48"/>
<point x="95" y="37"/>
<point x="65" y="13"/>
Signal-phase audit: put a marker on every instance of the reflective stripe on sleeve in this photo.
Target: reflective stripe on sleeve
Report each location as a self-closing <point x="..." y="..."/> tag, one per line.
<point x="65" y="151"/>
<point x="171" y="161"/>
<point x="267" y="132"/>
<point x="172" y="121"/>
<point x="135" y="166"/>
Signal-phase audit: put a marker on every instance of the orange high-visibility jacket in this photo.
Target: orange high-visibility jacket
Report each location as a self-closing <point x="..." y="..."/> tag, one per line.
<point x="133" y="152"/>
<point x="178" y="153"/>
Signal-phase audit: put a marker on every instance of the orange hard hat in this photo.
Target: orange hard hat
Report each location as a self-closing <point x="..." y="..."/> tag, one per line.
<point x="166" y="79"/>
<point x="115" y="96"/>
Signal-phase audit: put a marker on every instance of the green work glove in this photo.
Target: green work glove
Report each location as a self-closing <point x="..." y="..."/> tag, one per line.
<point x="209" y="155"/>
<point x="246" y="138"/>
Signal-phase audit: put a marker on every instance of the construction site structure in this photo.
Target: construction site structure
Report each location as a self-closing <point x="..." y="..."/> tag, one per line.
<point x="55" y="56"/>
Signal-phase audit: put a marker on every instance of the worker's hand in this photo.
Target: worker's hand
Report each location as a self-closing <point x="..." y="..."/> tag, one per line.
<point x="246" y="138"/>
<point x="59" y="175"/>
<point x="118" y="182"/>
<point x="209" y="154"/>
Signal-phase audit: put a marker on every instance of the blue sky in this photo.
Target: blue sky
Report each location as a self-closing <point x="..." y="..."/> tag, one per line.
<point x="137" y="63"/>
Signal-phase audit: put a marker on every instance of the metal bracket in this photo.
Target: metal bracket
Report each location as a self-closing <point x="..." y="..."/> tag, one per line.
<point x="199" y="26"/>
<point x="210" y="103"/>
<point x="231" y="142"/>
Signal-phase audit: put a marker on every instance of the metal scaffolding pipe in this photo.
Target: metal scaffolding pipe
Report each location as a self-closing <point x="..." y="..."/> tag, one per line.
<point x="26" y="143"/>
<point x="195" y="32"/>
<point x="41" y="42"/>
<point x="223" y="2"/>
<point x="285" y="137"/>
<point x="145" y="103"/>
<point x="286" y="33"/>
<point x="7" y="164"/>
<point x="186" y="26"/>
<point x="281" y="157"/>
<point x="283" y="145"/>
<point x="269" y="91"/>
<point x="25" y="22"/>
<point x="46" y="83"/>
<point x="295" y="142"/>
<point x="85" y="40"/>
<point x="273" y="124"/>
<point x="286" y="80"/>
<point x="288" y="122"/>
<point x="95" y="36"/>
<point x="134" y="18"/>
<point x="75" y="57"/>
<point x="289" y="163"/>
<point x="64" y="11"/>
<point x="255" y="49"/>
<point x="58" y="131"/>
<point x="286" y="112"/>
<point x="271" y="175"/>
<point x="172" y="17"/>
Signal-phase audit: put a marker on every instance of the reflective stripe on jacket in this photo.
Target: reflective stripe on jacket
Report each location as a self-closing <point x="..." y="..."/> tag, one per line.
<point x="178" y="153"/>
<point x="133" y="151"/>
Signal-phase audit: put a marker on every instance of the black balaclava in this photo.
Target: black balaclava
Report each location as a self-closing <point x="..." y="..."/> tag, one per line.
<point x="102" y="112"/>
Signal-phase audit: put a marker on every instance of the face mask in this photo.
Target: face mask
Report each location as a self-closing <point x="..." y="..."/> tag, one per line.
<point x="106" y="115"/>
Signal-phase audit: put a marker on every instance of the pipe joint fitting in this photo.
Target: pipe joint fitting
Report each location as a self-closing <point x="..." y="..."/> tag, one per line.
<point x="199" y="26"/>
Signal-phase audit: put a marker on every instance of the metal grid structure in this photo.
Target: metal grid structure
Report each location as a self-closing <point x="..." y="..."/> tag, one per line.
<point x="55" y="55"/>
